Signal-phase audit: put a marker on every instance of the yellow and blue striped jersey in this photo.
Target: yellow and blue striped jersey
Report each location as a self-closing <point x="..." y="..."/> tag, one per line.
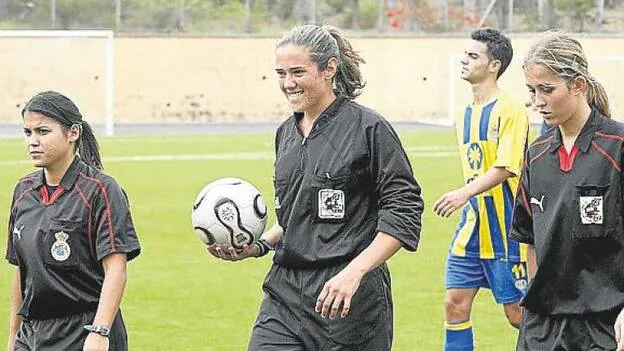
<point x="492" y="135"/>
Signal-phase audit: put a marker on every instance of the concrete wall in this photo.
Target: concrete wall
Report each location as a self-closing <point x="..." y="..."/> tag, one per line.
<point x="185" y="79"/>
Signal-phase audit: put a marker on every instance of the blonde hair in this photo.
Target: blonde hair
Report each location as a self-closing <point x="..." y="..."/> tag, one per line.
<point x="564" y="56"/>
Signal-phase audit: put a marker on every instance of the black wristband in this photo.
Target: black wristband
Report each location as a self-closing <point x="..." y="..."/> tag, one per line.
<point x="264" y="247"/>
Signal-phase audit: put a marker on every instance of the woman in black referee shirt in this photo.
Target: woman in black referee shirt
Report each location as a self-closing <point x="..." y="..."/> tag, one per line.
<point x="569" y="206"/>
<point x="346" y="201"/>
<point x="70" y="236"/>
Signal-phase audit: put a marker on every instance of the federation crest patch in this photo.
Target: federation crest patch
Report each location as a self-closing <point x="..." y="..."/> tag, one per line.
<point x="591" y="209"/>
<point x="60" y="248"/>
<point x="331" y="204"/>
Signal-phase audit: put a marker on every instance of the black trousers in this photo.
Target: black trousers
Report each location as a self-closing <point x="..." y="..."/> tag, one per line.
<point x="287" y="320"/>
<point x="583" y="332"/>
<point x="66" y="334"/>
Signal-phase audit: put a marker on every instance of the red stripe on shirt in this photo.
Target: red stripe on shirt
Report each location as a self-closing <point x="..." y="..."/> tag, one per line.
<point x="610" y="136"/>
<point x="82" y="196"/>
<point x="605" y="154"/>
<point x="19" y="198"/>
<point x="540" y="154"/>
<point x="111" y="234"/>
<point x="57" y="193"/>
<point x="542" y="142"/>
<point x="525" y="200"/>
<point x="89" y="230"/>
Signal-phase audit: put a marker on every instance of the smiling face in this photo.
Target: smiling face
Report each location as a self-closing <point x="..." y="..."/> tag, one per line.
<point x="555" y="99"/>
<point x="49" y="144"/>
<point x="306" y="88"/>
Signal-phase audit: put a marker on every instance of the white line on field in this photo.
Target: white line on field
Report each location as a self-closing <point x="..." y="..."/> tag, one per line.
<point x="430" y="148"/>
<point x="219" y="157"/>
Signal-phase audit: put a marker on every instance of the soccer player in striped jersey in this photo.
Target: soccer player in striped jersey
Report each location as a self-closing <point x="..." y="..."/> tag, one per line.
<point x="492" y="136"/>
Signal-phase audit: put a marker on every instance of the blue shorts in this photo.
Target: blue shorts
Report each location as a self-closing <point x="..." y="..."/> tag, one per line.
<point x="507" y="280"/>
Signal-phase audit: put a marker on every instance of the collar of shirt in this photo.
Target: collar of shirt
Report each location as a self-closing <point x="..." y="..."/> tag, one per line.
<point x="583" y="141"/>
<point x="68" y="180"/>
<point x="326" y="116"/>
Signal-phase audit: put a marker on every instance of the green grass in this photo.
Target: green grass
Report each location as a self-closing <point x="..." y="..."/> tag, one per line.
<point x="180" y="298"/>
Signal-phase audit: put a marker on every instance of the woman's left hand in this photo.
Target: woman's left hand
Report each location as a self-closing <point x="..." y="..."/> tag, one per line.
<point x="619" y="331"/>
<point x="95" y="342"/>
<point x="338" y="291"/>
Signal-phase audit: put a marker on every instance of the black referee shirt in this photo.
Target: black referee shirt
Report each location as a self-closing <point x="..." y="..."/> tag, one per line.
<point x="58" y="240"/>
<point x="335" y="189"/>
<point x="570" y="207"/>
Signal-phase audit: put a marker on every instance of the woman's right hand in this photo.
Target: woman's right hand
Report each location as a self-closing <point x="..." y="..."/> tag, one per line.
<point x="231" y="254"/>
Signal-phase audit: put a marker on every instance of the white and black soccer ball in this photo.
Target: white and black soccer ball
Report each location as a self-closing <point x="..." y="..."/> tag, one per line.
<point x="229" y="212"/>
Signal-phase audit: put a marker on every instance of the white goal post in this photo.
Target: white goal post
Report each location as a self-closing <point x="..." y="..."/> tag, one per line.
<point x="108" y="54"/>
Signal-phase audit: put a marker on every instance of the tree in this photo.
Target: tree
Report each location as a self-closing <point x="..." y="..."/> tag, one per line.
<point x="600" y="14"/>
<point x="579" y="10"/>
<point x="545" y="10"/>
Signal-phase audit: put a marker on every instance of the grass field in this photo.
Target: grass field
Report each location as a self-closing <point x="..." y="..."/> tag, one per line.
<point x="180" y="298"/>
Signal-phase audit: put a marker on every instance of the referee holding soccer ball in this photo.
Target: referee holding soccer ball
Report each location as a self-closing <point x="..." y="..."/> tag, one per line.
<point x="346" y="201"/>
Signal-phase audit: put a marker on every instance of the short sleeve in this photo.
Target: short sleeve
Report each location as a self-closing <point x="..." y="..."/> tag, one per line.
<point x="11" y="254"/>
<point x="512" y="139"/>
<point x="113" y="226"/>
<point x="522" y="221"/>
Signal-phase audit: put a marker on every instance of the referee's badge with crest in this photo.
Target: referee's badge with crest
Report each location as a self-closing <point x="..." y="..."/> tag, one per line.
<point x="591" y="209"/>
<point x="60" y="248"/>
<point x="331" y="204"/>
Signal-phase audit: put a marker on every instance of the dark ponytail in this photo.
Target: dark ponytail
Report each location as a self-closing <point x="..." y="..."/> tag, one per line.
<point x="327" y="42"/>
<point x="88" y="147"/>
<point x="60" y="108"/>
<point x="348" y="78"/>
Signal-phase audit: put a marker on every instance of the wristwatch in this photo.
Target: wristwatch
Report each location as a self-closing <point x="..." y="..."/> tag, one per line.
<point x="98" y="329"/>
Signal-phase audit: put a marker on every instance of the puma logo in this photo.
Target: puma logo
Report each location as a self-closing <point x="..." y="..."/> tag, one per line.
<point x="18" y="232"/>
<point x="538" y="203"/>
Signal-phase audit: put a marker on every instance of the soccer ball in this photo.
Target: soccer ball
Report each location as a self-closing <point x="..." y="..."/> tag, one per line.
<point x="229" y="212"/>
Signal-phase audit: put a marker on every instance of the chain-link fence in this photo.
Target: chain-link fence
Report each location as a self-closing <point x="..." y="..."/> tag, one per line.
<point x="271" y="17"/>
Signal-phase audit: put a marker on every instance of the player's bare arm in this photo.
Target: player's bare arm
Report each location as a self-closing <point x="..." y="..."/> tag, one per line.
<point x="531" y="262"/>
<point x="16" y="300"/>
<point x="272" y="236"/>
<point x="110" y="298"/>
<point x="340" y="289"/>
<point x="453" y="200"/>
<point x="619" y="331"/>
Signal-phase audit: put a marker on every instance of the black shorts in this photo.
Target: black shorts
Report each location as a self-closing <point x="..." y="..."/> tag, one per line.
<point x="588" y="332"/>
<point x="287" y="320"/>
<point x="67" y="334"/>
